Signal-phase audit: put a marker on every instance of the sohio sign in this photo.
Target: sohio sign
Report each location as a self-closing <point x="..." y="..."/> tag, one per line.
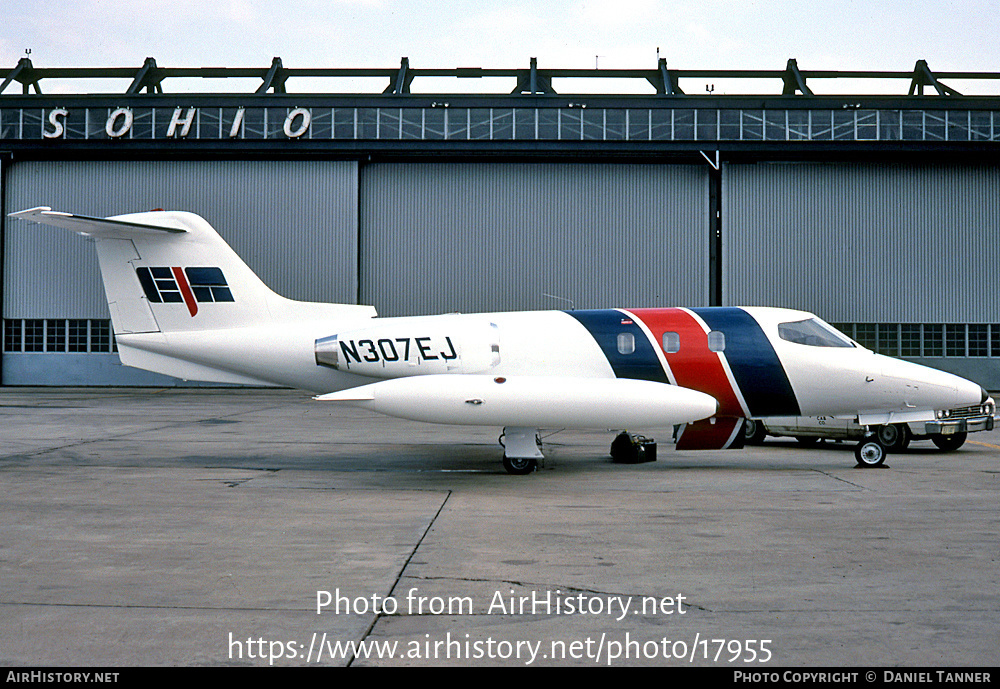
<point x="120" y="122"/>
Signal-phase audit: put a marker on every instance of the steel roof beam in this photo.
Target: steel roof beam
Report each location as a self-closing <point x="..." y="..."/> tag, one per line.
<point x="922" y="76"/>
<point x="275" y="78"/>
<point x="533" y="81"/>
<point x="25" y="74"/>
<point x="146" y="78"/>
<point x="664" y="80"/>
<point x="794" y="81"/>
<point x="399" y="83"/>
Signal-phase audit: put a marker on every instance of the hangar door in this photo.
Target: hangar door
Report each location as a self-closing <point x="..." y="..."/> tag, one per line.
<point x="904" y="258"/>
<point x="294" y="223"/>
<point x="476" y="237"/>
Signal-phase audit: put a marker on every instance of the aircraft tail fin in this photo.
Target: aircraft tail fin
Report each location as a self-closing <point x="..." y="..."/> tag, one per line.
<point x="169" y="271"/>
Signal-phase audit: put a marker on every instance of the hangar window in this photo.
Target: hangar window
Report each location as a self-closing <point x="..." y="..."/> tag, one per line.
<point x="76" y="335"/>
<point x="100" y="337"/>
<point x="55" y="336"/>
<point x="716" y="341"/>
<point x="955" y="339"/>
<point x="909" y="339"/>
<point x="888" y="338"/>
<point x="933" y="339"/>
<point x="671" y="343"/>
<point x="13" y="337"/>
<point x="626" y="343"/>
<point x="866" y="335"/>
<point x="812" y="332"/>
<point x="979" y="339"/>
<point x="76" y="338"/>
<point x="34" y="334"/>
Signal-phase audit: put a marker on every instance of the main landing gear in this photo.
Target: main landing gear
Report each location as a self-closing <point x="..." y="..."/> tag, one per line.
<point x="521" y="450"/>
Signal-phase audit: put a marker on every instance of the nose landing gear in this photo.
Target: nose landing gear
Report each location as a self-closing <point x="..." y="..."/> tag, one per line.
<point x="870" y="452"/>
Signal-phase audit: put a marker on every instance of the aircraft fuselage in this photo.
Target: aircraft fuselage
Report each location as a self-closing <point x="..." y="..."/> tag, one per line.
<point x="736" y="355"/>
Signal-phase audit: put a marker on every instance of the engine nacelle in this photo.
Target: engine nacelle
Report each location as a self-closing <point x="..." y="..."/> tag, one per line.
<point x="408" y="347"/>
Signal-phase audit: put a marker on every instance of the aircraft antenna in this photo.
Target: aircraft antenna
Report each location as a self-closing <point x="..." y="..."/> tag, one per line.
<point x="572" y="304"/>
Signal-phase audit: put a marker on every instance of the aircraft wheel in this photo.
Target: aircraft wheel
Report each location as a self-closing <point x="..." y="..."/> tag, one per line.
<point x="519" y="466"/>
<point x="754" y="432"/>
<point x="870" y="452"/>
<point x="894" y="436"/>
<point x="947" y="443"/>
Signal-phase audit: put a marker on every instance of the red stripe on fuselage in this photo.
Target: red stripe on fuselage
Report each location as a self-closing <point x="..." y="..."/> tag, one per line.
<point x="694" y="365"/>
<point x="705" y="435"/>
<point x="185" y="291"/>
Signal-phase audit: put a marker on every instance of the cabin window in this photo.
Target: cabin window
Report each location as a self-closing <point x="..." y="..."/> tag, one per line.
<point x="813" y="332"/>
<point x="716" y="341"/>
<point x="626" y="343"/>
<point x="671" y="342"/>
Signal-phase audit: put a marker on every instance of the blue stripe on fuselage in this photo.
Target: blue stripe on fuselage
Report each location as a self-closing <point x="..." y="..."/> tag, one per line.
<point x="753" y="361"/>
<point x="605" y="325"/>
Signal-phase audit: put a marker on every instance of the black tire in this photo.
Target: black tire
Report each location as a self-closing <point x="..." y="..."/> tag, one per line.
<point x="949" y="443"/>
<point x="754" y="432"/>
<point x="894" y="437"/>
<point x="519" y="466"/>
<point x="870" y="452"/>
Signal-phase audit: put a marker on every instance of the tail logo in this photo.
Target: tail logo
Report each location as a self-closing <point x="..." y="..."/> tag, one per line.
<point x="190" y="286"/>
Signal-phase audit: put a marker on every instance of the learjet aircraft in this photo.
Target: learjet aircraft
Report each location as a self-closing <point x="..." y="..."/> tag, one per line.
<point x="184" y="304"/>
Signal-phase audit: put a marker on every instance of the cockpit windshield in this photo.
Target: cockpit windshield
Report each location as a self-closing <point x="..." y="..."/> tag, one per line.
<point x="813" y="332"/>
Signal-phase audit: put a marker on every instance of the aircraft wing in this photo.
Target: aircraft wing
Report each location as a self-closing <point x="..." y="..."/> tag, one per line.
<point x="109" y="228"/>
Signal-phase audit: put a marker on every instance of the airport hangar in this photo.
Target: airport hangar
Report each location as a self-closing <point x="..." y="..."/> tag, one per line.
<point x="879" y="212"/>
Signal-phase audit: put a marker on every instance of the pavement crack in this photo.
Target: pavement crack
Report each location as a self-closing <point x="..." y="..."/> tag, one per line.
<point x="399" y="576"/>
<point x="842" y="480"/>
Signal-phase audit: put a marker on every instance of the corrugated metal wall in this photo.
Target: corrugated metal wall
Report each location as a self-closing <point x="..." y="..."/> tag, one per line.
<point x="293" y="222"/>
<point x="486" y="237"/>
<point x="854" y="243"/>
<point x="864" y="242"/>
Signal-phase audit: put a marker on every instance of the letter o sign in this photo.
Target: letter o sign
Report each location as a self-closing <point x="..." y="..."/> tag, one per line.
<point x="303" y="125"/>
<point x="113" y="129"/>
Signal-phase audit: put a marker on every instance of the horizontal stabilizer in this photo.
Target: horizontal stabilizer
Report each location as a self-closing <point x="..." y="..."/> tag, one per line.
<point x="109" y="228"/>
